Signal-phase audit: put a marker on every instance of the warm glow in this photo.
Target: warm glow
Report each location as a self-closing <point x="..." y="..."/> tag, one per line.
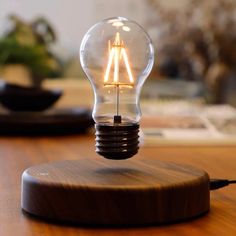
<point x="111" y="55"/>
<point x="123" y="53"/>
<point x="117" y="53"/>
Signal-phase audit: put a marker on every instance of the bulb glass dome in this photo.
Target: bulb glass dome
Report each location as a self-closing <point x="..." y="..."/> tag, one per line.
<point x="117" y="56"/>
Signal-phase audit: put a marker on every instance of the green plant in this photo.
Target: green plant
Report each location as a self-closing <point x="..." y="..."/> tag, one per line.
<point x="29" y="44"/>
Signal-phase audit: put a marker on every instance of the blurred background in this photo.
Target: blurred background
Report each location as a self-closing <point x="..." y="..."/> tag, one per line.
<point x="195" y="46"/>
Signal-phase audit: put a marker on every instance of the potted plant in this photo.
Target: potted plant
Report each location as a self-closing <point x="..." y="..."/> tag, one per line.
<point x="27" y="45"/>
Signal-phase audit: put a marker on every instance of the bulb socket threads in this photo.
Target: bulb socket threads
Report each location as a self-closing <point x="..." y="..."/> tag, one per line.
<point x="117" y="141"/>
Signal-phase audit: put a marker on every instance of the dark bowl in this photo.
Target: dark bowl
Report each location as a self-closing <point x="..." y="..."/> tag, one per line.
<point x="20" y="98"/>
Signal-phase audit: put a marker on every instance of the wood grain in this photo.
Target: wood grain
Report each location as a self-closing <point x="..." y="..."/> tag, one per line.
<point x="105" y="192"/>
<point x="17" y="154"/>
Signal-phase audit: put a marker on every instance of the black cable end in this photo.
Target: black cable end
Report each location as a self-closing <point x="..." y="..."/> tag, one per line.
<point x="218" y="183"/>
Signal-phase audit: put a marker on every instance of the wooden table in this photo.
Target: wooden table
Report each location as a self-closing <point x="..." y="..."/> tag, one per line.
<point x="18" y="153"/>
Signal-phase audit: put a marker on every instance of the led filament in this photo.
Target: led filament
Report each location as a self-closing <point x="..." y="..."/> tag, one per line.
<point x="117" y="56"/>
<point x="117" y="53"/>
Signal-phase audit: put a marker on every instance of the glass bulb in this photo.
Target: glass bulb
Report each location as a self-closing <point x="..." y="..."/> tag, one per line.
<point x="117" y="56"/>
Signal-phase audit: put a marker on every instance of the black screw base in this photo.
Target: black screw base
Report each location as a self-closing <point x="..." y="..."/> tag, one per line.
<point x="117" y="141"/>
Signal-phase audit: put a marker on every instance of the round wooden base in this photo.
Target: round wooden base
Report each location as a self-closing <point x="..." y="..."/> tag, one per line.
<point x="105" y="192"/>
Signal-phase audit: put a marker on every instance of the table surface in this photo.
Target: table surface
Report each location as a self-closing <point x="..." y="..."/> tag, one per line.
<point x="19" y="153"/>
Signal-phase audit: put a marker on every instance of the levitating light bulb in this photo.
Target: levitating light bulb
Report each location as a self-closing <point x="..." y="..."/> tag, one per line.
<point x="117" y="56"/>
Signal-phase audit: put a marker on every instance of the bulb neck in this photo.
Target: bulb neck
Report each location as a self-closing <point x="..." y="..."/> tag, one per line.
<point x="117" y="141"/>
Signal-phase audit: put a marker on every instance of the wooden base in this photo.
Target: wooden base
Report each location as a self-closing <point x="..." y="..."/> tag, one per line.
<point x="105" y="192"/>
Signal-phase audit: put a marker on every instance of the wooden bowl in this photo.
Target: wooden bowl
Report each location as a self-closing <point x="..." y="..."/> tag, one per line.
<point x="20" y="98"/>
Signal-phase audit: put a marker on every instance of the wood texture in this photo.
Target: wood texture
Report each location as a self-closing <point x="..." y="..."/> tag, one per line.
<point x="103" y="192"/>
<point x="17" y="154"/>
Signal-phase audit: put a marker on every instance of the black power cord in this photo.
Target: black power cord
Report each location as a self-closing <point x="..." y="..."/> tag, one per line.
<point x="220" y="183"/>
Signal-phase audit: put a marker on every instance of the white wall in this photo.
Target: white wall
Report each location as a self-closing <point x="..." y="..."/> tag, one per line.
<point x="72" y="18"/>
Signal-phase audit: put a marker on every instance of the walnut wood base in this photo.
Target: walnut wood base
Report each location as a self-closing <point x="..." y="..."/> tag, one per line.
<point x="105" y="192"/>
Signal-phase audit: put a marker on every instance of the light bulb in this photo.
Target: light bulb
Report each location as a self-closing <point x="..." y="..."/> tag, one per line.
<point x="117" y="55"/>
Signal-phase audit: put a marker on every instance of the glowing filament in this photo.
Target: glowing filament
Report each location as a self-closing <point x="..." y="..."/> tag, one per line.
<point x="112" y="52"/>
<point x="117" y="52"/>
<point x="123" y="53"/>
<point x="116" y="69"/>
